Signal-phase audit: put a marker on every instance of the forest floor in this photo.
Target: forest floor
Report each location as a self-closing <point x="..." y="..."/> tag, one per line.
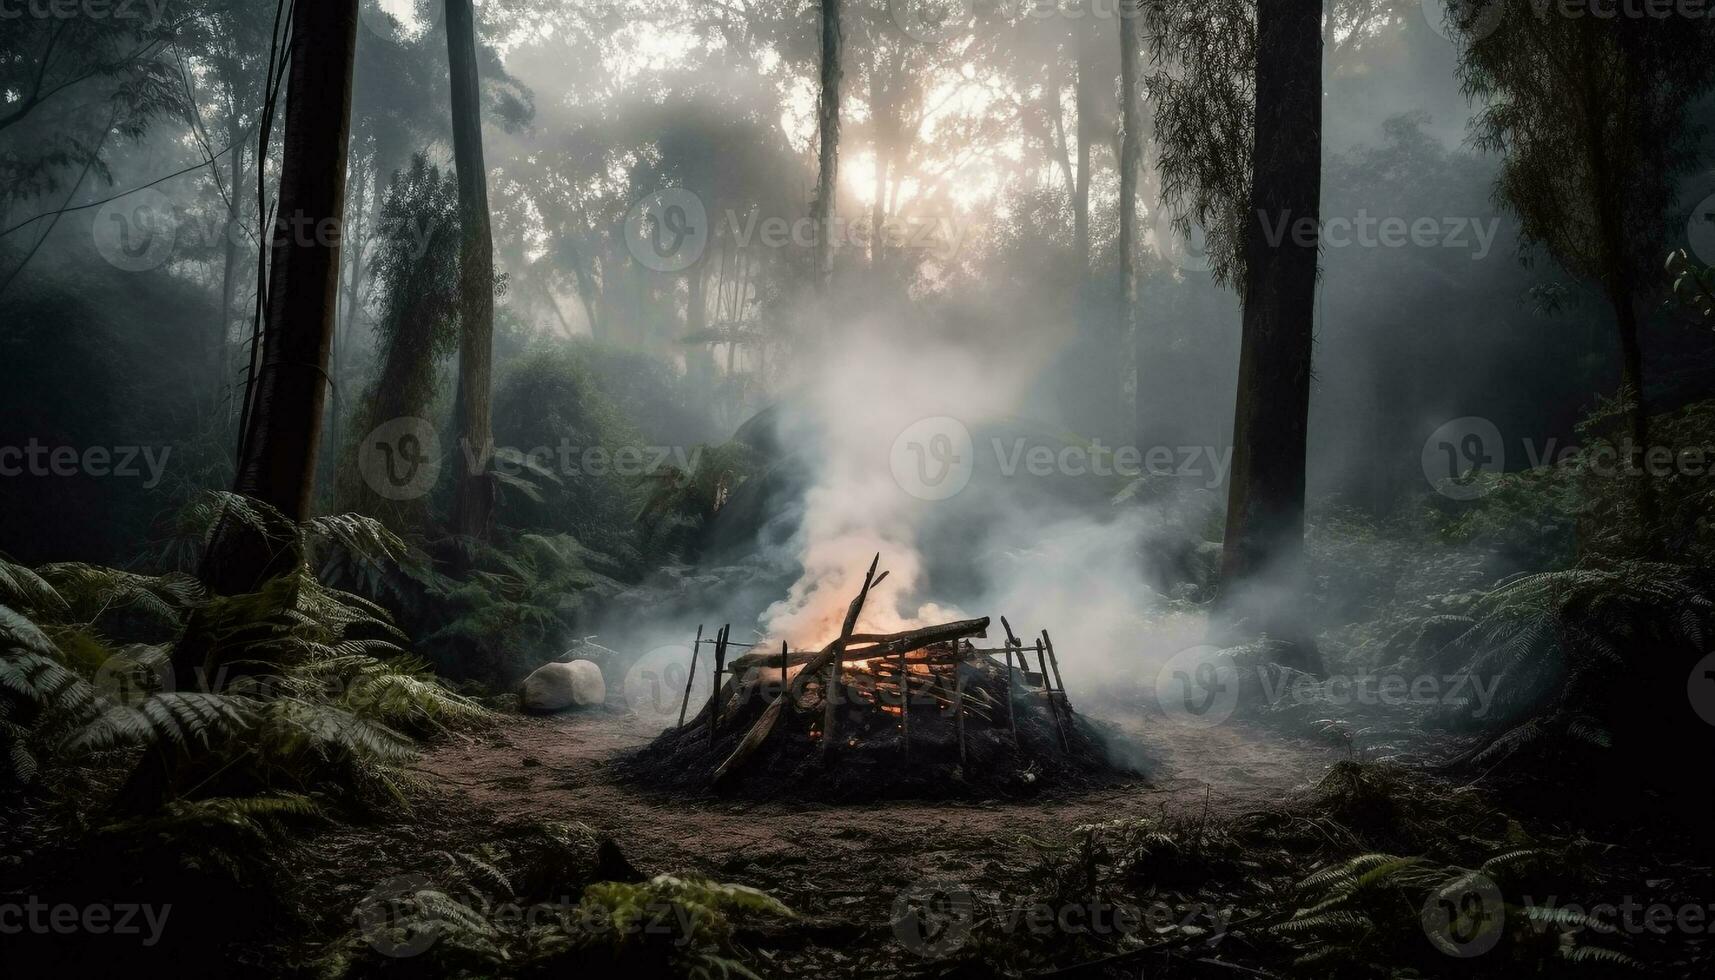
<point x="555" y="769"/>
<point x="846" y="865"/>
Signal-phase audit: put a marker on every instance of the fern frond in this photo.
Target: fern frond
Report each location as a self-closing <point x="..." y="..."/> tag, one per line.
<point x="178" y="718"/>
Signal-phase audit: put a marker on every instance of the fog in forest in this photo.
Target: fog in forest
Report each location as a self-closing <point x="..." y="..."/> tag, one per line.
<point x="355" y="378"/>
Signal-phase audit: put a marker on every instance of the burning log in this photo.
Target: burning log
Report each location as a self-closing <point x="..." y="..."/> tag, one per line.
<point x="872" y="646"/>
<point x="850" y="624"/>
<point x="920" y="711"/>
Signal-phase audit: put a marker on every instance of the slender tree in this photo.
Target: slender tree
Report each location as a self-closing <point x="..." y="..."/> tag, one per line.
<point x="473" y="494"/>
<point x="1591" y="116"/>
<point x="828" y="144"/>
<point x="1131" y="162"/>
<point x="283" y="425"/>
<point x="1265" y="505"/>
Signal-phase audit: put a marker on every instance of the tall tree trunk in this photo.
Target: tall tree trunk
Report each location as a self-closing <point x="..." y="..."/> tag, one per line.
<point x="1606" y="190"/>
<point x="277" y="461"/>
<point x="1637" y="414"/>
<point x="473" y="494"/>
<point x="1265" y="504"/>
<point x="234" y="260"/>
<point x="1085" y="103"/>
<point x="878" y="116"/>
<point x="699" y="354"/>
<point x="1131" y="162"/>
<point x="1052" y="104"/>
<point x="828" y="144"/>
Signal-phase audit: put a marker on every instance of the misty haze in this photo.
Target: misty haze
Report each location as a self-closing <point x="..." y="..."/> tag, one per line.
<point x="857" y="488"/>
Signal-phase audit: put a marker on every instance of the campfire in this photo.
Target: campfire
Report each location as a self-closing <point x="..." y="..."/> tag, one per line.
<point x="927" y="711"/>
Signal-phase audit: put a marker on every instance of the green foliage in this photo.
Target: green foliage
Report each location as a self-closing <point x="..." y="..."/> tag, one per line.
<point x="1203" y="87"/>
<point x="1579" y="642"/>
<point x="629" y="919"/>
<point x="554" y="402"/>
<point x="299" y="688"/>
<point x="683" y="501"/>
<point x="1582" y="502"/>
<point x="1693" y="286"/>
<point x="229" y="832"/>
<point x="524" y="596"/>
<point x="1375" y="912"/>
<point x="417" y="326"/>
<point x="506" y="907"/>
<point x="1591" y="114"/>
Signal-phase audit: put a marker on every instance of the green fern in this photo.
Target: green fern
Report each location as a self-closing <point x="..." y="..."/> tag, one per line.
<point x="1555" y="646"/>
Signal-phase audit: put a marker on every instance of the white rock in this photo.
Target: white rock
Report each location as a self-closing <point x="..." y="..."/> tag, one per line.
<point x="557" y="686"/>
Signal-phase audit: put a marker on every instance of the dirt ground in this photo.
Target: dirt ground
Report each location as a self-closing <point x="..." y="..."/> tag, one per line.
<point x="848" y="862"/>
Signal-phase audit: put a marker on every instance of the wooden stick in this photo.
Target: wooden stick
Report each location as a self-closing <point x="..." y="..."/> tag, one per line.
<point x="831" y="693"/>
<point x="959" y="708"/>
<point x="1054" y="662"/>
<point x="760" y="731"/>
<point x="720" y="664"/>
<point x="753" y="739"/>
<point x="734" y="643"/>
<point x="785" y="665"/>
<point x="1053" y="705"/>
<point x="691" y="675"/>
<point x="875" y="646"/>
<point x="1012" y="680"/>
<point x="905" y="704"/>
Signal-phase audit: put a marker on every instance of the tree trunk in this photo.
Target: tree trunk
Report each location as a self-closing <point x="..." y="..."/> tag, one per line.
<point x="699" y="355"/>
<point x="878" y="122"/>
<point x="1637" y="415"/>
<point x="1085" y="99"/>
<point x="828" y="139"/>
<point x="1130" y="157"/>
<point x="473" y="494"/>
<point x="234" y="262"/>
<point x="277" y="461"/>
<point x="1265" y="503"/>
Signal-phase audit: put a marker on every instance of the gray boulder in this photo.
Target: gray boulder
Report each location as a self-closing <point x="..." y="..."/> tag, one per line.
<point x="558" y="686"/>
